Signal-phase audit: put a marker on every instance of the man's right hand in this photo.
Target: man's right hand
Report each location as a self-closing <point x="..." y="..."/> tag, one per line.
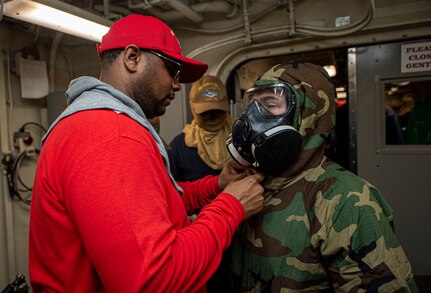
<point x="249" y="192"/>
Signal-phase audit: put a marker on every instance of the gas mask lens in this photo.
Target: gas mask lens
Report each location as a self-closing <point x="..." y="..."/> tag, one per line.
<point x="276" y="98"/>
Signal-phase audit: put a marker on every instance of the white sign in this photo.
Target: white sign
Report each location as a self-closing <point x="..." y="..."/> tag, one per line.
<point x="34" y="79"/>
<point x="416" y="57"/>
<point x="342" y="21"/>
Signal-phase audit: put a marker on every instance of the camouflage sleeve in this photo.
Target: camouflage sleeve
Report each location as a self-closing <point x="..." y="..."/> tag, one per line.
<point x="363" y="253"/>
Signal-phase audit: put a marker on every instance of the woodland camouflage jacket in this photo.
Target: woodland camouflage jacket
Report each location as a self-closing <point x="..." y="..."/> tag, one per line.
<point x="322" y="228"/>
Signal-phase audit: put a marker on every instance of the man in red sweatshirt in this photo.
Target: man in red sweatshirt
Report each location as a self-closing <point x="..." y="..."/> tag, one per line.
<point x="106" y="214"/>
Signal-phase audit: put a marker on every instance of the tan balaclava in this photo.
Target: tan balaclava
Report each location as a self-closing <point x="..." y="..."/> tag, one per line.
<point x="211" y="124"/>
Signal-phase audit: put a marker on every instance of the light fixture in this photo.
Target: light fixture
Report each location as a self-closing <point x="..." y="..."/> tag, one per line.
<point x="59" y="16"/>
<point x="331" y="69"/>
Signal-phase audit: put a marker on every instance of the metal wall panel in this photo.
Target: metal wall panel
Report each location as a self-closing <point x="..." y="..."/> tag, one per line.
<point x="401" y="172"/>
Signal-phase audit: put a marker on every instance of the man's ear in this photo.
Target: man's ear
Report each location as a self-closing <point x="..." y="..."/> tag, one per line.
<point x="131" y="57"/>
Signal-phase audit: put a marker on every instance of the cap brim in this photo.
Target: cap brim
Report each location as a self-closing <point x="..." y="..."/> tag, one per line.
<point x="199" y="108"/>
<point x="193" y="70"/>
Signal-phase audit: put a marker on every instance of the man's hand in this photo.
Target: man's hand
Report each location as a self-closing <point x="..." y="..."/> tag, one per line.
<point x="249" y="192"/>
<point x="232" y="171"/>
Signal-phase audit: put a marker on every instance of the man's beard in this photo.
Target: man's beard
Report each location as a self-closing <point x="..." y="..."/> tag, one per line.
<point x="151" y="105"/>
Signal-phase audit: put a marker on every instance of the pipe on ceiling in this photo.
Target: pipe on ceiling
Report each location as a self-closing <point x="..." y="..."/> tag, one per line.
<point x="193" y="12"/>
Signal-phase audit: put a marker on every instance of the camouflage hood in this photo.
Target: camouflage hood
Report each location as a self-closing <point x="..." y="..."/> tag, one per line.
<point x="315" y="109"/>
<point x="322" y="228"/>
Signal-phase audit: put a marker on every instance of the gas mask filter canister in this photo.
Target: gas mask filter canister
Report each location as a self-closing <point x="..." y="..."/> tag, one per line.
<point x="264" y="136"/>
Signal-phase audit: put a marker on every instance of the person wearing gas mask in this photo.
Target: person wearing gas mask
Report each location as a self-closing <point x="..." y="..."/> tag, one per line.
<point x="322" y="227"/>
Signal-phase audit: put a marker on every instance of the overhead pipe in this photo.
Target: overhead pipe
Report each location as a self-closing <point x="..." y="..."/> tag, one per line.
<point x="232" y="27"/>
<point x="6" y="143"/>
<point x="186" y="10"/>
<point x="228" y="9"/>
<point x="106" y="10"/>
<point x="52" y="59"/>
<point x="176" y="4"/>
<point x="144" y="4"/>
<point x="112" y="8"/>
<point x="247" y="29"/>
<point x="291" y="19"/>
<point x="280" y="31"/>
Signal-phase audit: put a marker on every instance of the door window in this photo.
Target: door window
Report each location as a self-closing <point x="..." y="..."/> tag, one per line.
<point x="408" y="112"/>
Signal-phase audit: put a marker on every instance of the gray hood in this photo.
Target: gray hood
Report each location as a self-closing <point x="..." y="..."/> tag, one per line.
<point x="89" y="93"/>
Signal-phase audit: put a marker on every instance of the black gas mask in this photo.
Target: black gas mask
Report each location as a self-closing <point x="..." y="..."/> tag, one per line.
<point x="264" y="136"/>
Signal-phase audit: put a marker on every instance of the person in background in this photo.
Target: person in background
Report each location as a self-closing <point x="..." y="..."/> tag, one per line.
<point x="200" y="149"/>
<point x="322" y="228"/>
<point x="418" y="129"/>
<point x="393" y="132"/>
<point x="106" y="213"/>
<point x="408" y="104"/>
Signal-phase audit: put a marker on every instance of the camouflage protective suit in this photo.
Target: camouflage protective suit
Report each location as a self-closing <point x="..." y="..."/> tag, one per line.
<point x="322" y="228"/>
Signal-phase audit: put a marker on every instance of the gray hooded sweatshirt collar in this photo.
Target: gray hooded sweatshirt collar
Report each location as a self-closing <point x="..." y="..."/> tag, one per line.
<point x="89" y="93"/>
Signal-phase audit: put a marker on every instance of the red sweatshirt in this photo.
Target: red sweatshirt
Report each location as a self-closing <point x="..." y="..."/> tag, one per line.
<point x="105" y="216"/>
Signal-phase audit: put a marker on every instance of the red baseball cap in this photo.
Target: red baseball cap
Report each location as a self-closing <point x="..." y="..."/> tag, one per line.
<point x="148" y="32"/>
